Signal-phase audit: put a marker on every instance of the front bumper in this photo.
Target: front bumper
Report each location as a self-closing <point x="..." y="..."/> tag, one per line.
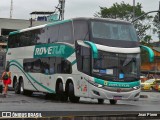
<point x="120" y="94"/>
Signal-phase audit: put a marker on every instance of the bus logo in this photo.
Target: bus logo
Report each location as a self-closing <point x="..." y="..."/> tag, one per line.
<point x="105" y="82"/>
<point x="48" y="50"/>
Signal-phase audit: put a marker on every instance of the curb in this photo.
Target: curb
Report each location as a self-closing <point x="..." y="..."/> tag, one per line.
<point x="143" y="96"/>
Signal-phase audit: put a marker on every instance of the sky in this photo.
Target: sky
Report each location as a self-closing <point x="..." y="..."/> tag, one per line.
<point x="73" y="8"/>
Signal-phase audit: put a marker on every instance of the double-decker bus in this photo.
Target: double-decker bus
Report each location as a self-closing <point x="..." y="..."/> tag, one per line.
<point x="80" y="57"/>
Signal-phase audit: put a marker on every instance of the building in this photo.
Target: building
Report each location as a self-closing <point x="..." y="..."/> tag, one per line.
<point x="154" y="67"/>
<point x="9" y="25"/>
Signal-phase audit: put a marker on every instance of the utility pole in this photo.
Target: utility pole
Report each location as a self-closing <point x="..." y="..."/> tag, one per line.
<point x="159" y="12"/>
<point x="11" y="9"/>
<point x="159" y="20"/>
<point x="133" y="10"/>
<point x="61" y="10"/>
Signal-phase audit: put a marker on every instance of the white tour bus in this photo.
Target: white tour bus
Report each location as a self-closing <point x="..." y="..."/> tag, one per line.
<point x="81" y="57"/>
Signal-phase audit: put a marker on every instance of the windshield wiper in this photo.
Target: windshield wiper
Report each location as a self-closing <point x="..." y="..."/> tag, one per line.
<point x="128" y="60"/>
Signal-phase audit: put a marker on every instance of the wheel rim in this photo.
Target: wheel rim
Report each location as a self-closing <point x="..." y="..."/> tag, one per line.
<point x="21" y="88"/>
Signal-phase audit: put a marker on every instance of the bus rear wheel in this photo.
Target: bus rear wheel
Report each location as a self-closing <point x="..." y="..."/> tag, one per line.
<point x="21" y="87"/>
<point x="23" y="91"/>
<point x="72" y="96"/>
<point x="100" y="101"/>
<point x="17" y="87"/>
<point x="61" y="95"/>
<point x="113" y="102"/>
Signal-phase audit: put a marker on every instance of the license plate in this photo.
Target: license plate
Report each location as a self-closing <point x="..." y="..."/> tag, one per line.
<point x="117" y="97"/>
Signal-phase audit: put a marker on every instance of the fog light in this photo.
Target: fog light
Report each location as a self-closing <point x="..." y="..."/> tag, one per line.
<point x="136" y="87"/>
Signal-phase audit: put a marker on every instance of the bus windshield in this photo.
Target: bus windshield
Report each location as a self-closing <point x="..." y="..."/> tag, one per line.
<point x="117" y="66"/>
<point x="113" y="31"/>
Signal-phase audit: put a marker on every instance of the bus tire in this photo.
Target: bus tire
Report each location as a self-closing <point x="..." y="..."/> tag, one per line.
<point x="100" y="101"/>
<point x="72" y="96"/>
<point x="28" y="92"/>
<point x="21" y="87"/>
<point x="62" y="96"/>
<point x="17" y="87"/>
<point x="23" y="91"/>
<point x="113" y="102"/>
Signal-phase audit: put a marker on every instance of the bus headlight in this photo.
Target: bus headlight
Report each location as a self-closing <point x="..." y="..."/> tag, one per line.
<point x="95" y="84"/>
<point x="136" y="87"/>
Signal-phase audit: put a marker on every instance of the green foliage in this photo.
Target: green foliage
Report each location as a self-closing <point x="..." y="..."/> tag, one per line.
<point x="156" y="23"/>
<point x="124" y="11"/>
<point x="147" y="39"/>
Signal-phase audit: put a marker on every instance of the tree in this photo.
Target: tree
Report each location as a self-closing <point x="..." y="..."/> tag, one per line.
<point x="156" y="24"/>
<point x="124" y="11"/>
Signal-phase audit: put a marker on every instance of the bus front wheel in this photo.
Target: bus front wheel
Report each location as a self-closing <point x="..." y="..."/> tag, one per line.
<point x="113" y="102"/>
<point x="100" y="101"/>
<point x="72" y="97"/>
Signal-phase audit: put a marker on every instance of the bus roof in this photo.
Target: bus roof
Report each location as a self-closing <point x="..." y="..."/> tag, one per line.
<point x="64" y="21"/>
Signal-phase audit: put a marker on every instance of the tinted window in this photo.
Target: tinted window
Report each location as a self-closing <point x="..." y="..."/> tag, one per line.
<point x="66" y="33"/>
<point x="27" y="38"/>
<point x="52" y="34"/>
<point x="13" y="41"/>
<point x="39" y="35"/>
<point x="47" y="65"/>
<point x="83" y="59"/>
<point x="32" y="65"/>
<point x="81" y="30"/>
<point x="113" y="31"/>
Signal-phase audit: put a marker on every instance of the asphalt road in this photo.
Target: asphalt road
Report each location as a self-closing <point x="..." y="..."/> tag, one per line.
<point x="38" y="102"/>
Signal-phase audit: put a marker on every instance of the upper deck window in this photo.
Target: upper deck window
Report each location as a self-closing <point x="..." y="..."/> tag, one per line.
<point x="113" y="31"/>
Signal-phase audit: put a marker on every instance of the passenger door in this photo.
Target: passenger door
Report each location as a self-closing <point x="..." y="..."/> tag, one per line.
<point x="84" y="60"/>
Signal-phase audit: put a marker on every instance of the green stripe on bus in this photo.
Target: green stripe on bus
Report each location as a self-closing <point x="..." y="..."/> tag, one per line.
<point x="48" y="89"/>
<point x="24" y="73"/>
<point x="117" y="84"/>
<point x="14" y="32"/>
<point x="59" y="22"/>
<point x="74" y="62"/>
<point x="93" y="48"/>
<point x="150" y="51"/>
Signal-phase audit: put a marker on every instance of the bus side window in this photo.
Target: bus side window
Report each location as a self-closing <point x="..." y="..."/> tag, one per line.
<point x="66" y="67"/>
<point x="44" y="65"/>
<point x="66" y="33"/>
<point x="52" y="34"/>
<point x="83" y="59"/>
<point x="81" y="30"/>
